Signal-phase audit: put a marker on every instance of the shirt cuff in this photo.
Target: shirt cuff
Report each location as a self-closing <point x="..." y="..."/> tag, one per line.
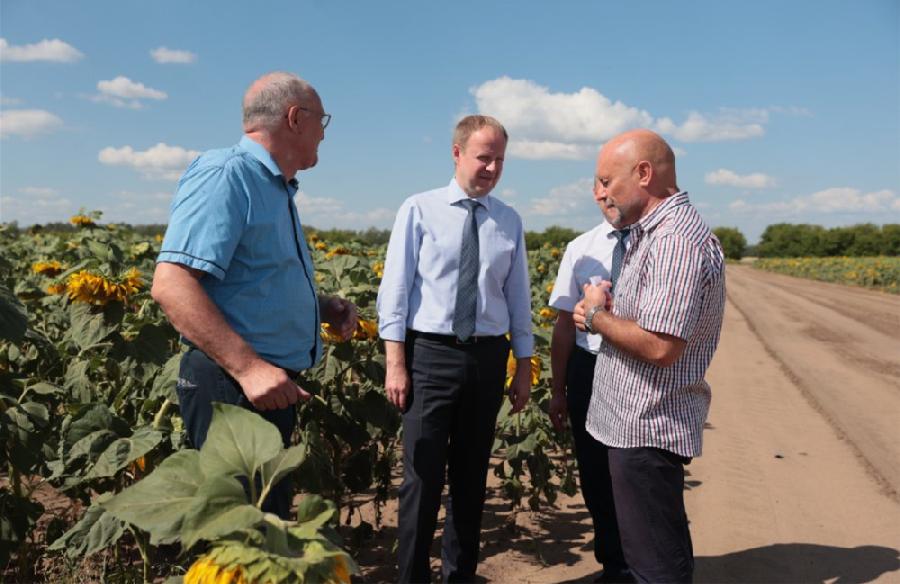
<point x="177" y="257"/>
<point x="394" y="331"/>
<point x="523" y="346"/>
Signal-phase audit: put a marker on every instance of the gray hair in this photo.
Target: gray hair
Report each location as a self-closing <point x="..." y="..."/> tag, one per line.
<point x="269" y="97"/>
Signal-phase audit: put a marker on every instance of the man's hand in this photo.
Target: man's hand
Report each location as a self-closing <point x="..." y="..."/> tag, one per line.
<point x="520" y="388"/>
<point x="340" y="314"/>
<point x="593" y="295"/>
<point x="269" y="387"/>
<point x="559" y="411"/>
<point x="396" y="385"/>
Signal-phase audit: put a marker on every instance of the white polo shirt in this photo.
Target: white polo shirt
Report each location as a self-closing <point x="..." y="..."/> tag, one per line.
<point x="587" y="256"/>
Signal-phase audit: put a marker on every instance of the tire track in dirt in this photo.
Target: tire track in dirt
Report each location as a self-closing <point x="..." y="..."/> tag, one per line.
<point x="843" y="362"/>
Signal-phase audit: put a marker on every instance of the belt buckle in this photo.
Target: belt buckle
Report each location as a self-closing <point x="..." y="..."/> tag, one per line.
<point x="470" y="341"/>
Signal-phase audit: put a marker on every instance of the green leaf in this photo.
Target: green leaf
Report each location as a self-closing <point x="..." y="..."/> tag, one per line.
<point x="315" y="511"/>
<point x="13" y="318"/>
<point x="77" y="381"/>
<point x="221" y="508"/>
<point x="283" y="463"/>
<point x="164" y="384"/>
<point x="151" y="344"/>
<point x="159" y="503"/>
<point x="18" y="516"/>
<point x="89" y="327"/>
<point x="239" y="442"/>
<point x="123" y="451"/>
<point x="96" y="531"/>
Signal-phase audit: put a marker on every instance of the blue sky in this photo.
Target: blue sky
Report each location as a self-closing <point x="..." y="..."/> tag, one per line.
<point x="779" y="111"/>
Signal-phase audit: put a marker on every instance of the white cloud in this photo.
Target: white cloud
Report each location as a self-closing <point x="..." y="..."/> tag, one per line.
<point x="159" y="162"/>
<point x="327" y="213"/>
<point x="551" y="150"/>
<point x="36" y="207"/>
<point x="39" y="191"/>
<point x="46" y="50"/>
<point x="828" y="201"/>
<point x="123" y="92"/>
<point x="727" y="177"/>
<point x="565" y="200"/>
<point x="727" y="125"/>
<point x="138" y="208"/>
<point x="547" y="125"/>
<point x="28" y="122"/>
<point x="167" y="55"/>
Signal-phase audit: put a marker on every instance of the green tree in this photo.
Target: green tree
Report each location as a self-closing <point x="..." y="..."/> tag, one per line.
<point x="733" y="242"/>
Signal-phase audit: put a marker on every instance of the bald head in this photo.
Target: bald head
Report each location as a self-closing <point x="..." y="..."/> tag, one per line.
<point x="635" y="173"/>
<point x="269" y="97"/>
<point x="636" y="146"/>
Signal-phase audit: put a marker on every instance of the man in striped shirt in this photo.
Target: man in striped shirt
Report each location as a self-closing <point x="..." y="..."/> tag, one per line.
<point x="660" y="330"/>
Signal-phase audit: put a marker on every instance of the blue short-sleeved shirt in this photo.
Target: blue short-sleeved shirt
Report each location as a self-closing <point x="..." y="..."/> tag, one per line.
<point x="233" y="217"/>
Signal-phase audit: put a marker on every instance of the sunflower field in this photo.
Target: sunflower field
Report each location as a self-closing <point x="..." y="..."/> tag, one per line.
<point x="881" y="273"/>
<point x="96" y="481"/>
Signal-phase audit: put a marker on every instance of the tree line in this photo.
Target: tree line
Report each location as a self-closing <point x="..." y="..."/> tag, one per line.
<point x="780" y="240"/>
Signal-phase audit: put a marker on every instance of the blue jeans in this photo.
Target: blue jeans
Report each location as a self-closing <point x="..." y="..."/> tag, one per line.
<point x="200" y="383"/>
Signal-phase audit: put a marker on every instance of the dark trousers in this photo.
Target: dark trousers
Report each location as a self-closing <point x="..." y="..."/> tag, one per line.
<point x="648" y="484"/>
<point x="200" y="383"/>
<point x="448" y="432"/>
<point x="593" y="467"/>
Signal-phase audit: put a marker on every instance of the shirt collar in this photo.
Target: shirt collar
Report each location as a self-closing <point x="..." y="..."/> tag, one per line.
<point x="455" y="194"/>
<point x="659" y="213"/>
<point x="259" y="152"/>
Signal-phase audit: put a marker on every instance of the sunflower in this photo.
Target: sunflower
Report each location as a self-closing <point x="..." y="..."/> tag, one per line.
<point x="58" y="288"/>
<point x="511" y="369"/>
<point x="206" y="571"/>
<point x="85" y="286"/>
<point x="321" y="245"/>
<point x="547" y="313"/>
<point x="328" y="335"/>
<point x="81" y="220"/>
<point x="49" y="268"/>
<point x="365" y="330"/>
<point x="336" y="251"/>
<point x="378" y="268"/>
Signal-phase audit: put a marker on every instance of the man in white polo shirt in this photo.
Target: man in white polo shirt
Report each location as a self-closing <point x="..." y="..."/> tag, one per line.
<point x="589" y="258"/>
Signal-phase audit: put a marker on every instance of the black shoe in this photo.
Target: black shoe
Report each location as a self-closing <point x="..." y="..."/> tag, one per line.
<point x="621" y="576"/>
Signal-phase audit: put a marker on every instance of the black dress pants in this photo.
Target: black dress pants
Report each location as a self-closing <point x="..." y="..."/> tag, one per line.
<point x="648" y="484"/>
<point x="200" y="383"/>
<point x="448" y="432"/>
<point x="593" y="467"/>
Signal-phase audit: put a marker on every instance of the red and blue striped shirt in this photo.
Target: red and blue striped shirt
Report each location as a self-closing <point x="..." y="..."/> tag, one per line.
<point x="672" y="282"/>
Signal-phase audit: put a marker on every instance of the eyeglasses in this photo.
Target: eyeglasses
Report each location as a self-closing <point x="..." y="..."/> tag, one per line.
<point x="326" y="118"/>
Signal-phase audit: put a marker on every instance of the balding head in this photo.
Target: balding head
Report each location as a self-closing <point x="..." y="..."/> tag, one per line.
<point x="269" y="97"/>
<point x="636" y="146"/>
<point x="635" y="172"/>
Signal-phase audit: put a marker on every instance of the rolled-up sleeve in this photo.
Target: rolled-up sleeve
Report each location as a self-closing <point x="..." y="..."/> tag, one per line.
<point x="518" y="299"/>
<point x="399" y="273"/>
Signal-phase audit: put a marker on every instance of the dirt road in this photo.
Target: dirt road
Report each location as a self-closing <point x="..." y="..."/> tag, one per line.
<point x="800" y="474"/>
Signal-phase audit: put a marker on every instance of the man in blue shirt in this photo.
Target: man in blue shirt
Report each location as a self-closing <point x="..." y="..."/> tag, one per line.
<point x="235" y="276"/>
<point x="455" y="283"/>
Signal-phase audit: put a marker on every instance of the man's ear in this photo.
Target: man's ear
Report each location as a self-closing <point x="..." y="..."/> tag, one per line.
<point x="457" y="151"/>
<point x="645" y="173"/>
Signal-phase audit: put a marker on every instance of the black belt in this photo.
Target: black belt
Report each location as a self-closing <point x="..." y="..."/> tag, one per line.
<point x="453" y="339"/>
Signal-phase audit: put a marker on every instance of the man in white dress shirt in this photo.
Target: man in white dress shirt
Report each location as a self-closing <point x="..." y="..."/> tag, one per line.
<point x="455" y="283"/>
<point x="589" y="258"/>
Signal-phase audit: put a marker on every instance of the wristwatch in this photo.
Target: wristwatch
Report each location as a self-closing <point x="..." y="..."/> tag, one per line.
<point x="589" y="317"/>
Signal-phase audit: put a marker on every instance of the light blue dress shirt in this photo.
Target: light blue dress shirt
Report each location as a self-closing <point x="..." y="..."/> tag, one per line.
<point x="233" y="217"/>
<point x="418" y="289"/>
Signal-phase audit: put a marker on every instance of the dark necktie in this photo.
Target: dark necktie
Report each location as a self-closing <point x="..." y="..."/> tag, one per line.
<point x="467" y="287"/>
<point x="618" y="255"/>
